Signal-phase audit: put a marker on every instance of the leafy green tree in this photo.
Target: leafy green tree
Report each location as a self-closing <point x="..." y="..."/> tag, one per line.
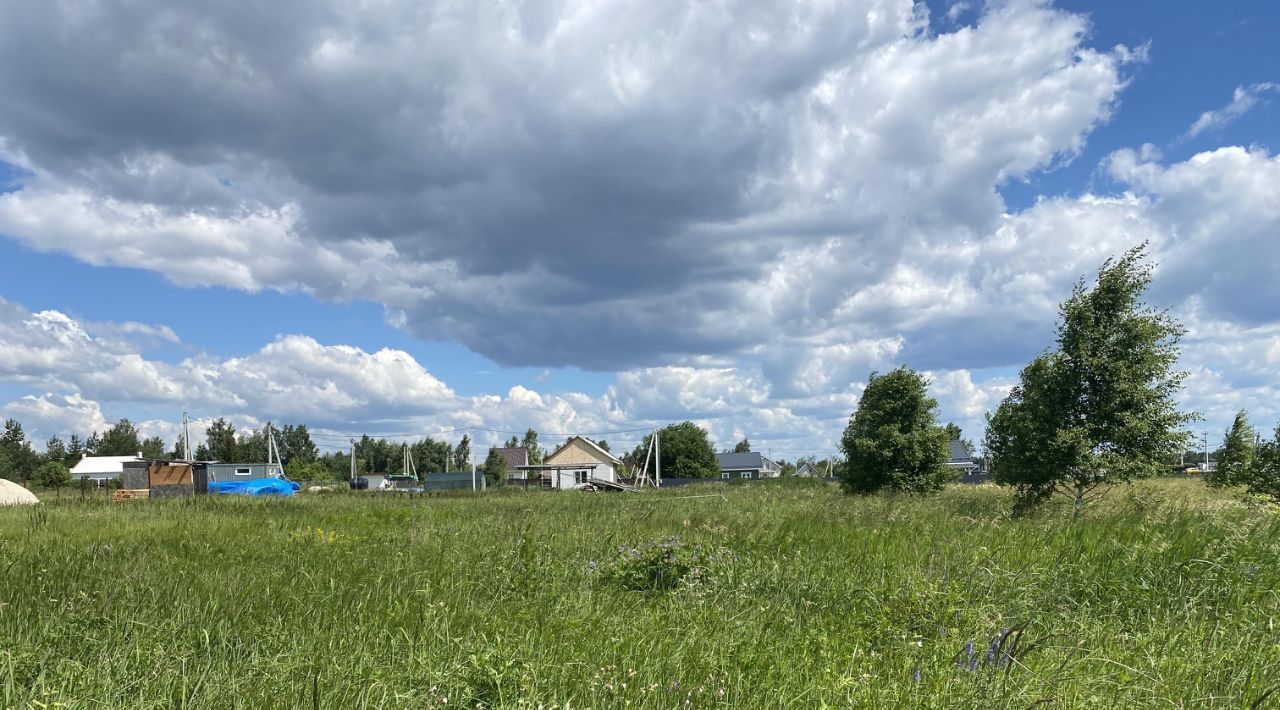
<point x="462" y="455"/>
<point x="1235" y="467"/>
<point x="954" y="433"/>
<point x="55" y="450"/>
<point x="19" y="462"/>
<point x="220" y="442"/>
<point x="120" y="440"/>
<point x="202" y="453"/>
<point x="686" y="452"/>
<point x="530" y="444"/>
<point x="295" y="442"/>
<point x="251" y="446"/>
<point x="893" y="441"/>
<point x="430" y="456"/>
<point x="512" y="443"/>
<point x="53" y="474"/>
<point x="301" y="470"/>
<point x="495" y="469"/>
<point x="1099" y="409"/>
<point x="153" y="448"/>
<point x="338" y="464"/>
<point x="1264" y="478"/>
<point x="742" y="447"/>
<point x="603" y="444"/>
<point x="380" y="455"/>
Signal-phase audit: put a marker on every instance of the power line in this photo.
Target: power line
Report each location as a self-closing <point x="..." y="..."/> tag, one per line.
<point x="348" y="435"/>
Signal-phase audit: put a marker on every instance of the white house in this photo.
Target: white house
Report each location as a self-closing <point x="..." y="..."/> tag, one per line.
<point x="100" y="469"/>
<point x="577" y="461"/>
<point x="809" y="470"/>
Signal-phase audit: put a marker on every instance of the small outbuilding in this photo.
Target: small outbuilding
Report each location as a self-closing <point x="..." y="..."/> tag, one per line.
<point x="222" y="472"/>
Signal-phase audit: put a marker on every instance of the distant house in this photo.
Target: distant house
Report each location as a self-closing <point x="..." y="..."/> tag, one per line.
<point x="515" y="456"/>
<point x="576" y="463"/>
<point x="808" y="470"/>
<point x="749" y="465"/>
<point x="960" y="458"/>
<point x="220" y="472"/>
<point x="101" y="469"/>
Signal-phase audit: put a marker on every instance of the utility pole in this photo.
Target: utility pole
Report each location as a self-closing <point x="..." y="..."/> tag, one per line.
<point x="353" y="461"/>
<point x="186" y="437"/>
<point x="472" y="452"/>
<point x="657" y="459"/>
<point x="1206" y="450"/>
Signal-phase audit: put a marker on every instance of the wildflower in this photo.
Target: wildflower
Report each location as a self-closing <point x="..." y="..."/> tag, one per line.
<point x="916" y="675"/>
<point x="994" y="649"/>
<point x="967" y="659"/>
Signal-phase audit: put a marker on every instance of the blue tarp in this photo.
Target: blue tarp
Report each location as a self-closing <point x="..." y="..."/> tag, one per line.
<point x="255" y="487"/>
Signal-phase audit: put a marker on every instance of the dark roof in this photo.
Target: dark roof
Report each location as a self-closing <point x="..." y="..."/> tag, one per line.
<point x="751" y="460"/>
<point x="959" y="454"/>
<point x="515" y="456"/>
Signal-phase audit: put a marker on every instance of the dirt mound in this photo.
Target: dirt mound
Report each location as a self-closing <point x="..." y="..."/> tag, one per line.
<point x="14" y="494"/>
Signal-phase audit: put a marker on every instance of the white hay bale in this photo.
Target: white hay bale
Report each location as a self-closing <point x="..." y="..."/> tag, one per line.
<point x="14" y="494"/>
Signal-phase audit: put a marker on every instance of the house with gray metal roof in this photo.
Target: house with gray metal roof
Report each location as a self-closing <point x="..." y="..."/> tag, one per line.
<point x="750" y="465"/>
<point x="961" y="458"/>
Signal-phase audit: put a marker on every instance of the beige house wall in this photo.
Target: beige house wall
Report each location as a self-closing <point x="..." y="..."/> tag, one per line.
<point x="578" y="452"/>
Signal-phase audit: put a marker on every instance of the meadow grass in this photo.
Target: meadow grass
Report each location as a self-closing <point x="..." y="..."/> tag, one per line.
<point x="1164" y="595"/>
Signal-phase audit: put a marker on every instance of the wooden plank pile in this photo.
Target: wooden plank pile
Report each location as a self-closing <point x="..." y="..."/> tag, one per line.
<point x="126" y="494"/>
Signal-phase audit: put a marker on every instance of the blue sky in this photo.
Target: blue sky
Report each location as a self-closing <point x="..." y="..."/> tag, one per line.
<point x="563" y="235"/>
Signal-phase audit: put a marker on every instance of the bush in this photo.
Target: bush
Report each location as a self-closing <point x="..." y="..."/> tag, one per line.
<point x="298" y="470"/>
<point x="656" y="567"/>
<point x="53" y="475"/>
<point x="1264" y="479"/>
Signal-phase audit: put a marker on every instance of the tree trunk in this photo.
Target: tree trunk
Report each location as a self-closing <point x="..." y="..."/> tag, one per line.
<point x="1079" y="502"/>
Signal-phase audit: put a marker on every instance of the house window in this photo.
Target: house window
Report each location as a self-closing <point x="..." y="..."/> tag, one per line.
<point x="745" y="474"/>
<point x="724" y="475"/>
<point x="243" y="471"/>
<point x="581" y="476"/>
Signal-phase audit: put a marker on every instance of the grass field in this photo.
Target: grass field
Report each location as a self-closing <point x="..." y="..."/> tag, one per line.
<point x="1165" y="595"/>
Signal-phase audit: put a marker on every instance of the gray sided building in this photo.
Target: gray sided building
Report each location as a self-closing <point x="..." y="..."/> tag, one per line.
<point x="453" y="481"/>
<point x="222" y="472"/>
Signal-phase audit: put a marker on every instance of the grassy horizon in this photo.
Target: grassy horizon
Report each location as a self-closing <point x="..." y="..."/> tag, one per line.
<point x="1165" y="594"/>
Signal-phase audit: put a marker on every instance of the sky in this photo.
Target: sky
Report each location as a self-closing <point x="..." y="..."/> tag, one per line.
<point x="593" y="217"/>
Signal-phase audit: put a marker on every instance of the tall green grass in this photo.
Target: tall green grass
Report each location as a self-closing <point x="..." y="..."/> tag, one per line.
<point x="1163" y="596"/>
